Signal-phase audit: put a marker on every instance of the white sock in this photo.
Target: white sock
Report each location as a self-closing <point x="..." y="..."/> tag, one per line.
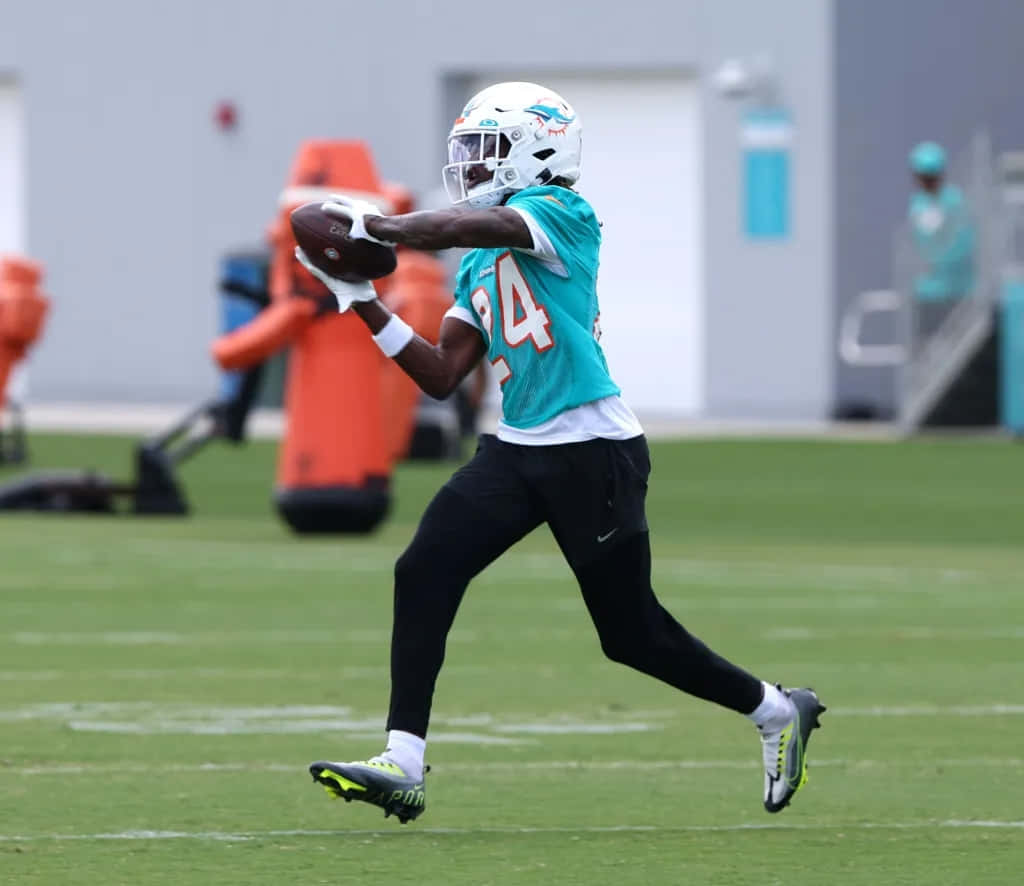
<point x="775" y="709"/>
<point x="406" y="751"/>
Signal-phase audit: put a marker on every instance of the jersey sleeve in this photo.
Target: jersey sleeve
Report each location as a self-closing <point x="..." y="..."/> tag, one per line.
<point x="565" y="224"/>
<point x="463" y="307"/>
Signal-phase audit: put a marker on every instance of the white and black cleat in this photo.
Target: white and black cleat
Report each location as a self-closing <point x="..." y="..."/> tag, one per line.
<point x="785" y="749"/>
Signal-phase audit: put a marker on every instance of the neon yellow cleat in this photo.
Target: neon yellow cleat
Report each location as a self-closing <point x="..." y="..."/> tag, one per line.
<point x="377" y="782"/>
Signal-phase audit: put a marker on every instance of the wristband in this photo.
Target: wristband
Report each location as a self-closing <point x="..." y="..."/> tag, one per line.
<point x="395" y="335"/>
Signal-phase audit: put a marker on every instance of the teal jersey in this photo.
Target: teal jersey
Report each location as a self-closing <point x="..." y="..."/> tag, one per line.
<point x="945" y="240"/>
<point x="540" y="321"/>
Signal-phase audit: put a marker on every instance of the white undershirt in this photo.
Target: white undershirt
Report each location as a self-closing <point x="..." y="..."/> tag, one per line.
<point x="609" y="418"/>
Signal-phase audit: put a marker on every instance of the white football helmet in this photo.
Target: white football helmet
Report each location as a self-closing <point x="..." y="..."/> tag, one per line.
<point x="511" y="136"/>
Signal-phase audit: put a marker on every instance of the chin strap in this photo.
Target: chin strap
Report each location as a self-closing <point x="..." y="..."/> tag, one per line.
<point x="488" y="199"/>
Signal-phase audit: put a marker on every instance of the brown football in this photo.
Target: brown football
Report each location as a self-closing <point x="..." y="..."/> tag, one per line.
<point x="325" y="240"/>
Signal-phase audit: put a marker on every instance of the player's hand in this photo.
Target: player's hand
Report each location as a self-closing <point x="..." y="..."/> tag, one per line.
<point x="346" y="293"/>
<point x="355" y="211"/>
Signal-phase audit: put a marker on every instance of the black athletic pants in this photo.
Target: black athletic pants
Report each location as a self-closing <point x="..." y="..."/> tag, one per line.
<point x="592" y="495"/>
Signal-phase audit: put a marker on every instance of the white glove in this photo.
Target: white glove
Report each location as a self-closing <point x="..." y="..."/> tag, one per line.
<point x="355" y="211"/>
<point x="343" y="291"/>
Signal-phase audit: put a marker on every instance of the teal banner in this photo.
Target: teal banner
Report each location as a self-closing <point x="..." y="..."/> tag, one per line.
<point x="1011" y="357"/>
<point x="766" y="137"/>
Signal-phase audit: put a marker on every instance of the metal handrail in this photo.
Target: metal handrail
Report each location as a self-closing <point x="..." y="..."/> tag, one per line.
<point x="851" y="349"/>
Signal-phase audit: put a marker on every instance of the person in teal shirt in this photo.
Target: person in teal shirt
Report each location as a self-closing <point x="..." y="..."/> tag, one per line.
<point x="943" y="235"/>
<point x="568" y="451"/>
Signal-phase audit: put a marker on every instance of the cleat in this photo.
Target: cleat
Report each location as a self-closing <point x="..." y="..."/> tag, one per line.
<point x="377" y="782"/>
<point x="785" y="750"/>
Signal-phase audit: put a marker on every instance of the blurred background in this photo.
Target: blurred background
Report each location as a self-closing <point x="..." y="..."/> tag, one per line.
<point x="811" y="215"/>
<point x="749" y="161"/>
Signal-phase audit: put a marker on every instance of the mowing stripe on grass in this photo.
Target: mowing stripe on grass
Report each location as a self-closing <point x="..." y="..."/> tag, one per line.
<point x="342" y="672"/>
<point x="500" y="766"/>
<point x="245" y="836"/>
<point x="989" y="710"/>
<point x="208" y="638"/>
<point x="163" y="673"/>
<point x="380" y="672"/>
<point x="226" y="554"/>
<point x="908" y="632"/>
<point x="382" y="636"/>
<point x="772" y="573"/>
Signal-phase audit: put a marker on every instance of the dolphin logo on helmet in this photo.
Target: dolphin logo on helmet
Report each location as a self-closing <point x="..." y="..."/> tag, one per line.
<point x="547" y="112"/>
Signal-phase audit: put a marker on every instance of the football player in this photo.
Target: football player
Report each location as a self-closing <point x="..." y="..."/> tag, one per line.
<point x="568" y="451"/>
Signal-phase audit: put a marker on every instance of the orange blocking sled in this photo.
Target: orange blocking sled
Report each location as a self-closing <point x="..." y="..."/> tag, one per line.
<point x="23" y="310"/>
<point x="334" y="464"/>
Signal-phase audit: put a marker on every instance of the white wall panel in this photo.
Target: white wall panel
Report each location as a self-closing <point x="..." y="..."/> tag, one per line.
<point x="641" y="173"/>
<point x="12" y="170"/>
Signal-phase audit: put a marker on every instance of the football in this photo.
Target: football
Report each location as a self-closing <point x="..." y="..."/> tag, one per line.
<point x="325" y="240"/>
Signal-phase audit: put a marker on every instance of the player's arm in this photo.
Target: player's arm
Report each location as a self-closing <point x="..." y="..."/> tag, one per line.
<point x="437" y="370"/>
<point x="431" y="230"/>
<point x="490" y="228"/>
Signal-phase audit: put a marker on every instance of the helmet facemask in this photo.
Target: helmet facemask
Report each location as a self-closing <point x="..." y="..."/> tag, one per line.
<point x="480" y="170"/>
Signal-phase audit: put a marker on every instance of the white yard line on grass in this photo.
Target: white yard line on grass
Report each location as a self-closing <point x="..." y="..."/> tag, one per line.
<point x="501" y="766"/>
<point x="155" y="718"/>
<point x="245" y="836"/>
<point x="169" y="718"/>
<point x="291" y="727"/>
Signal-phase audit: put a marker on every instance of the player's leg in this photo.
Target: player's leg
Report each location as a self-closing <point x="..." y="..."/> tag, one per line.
<point x="636" y="630"/>
<point x="459" y="536"/>
<point x="482" y="511"/>
<point x="609" y="551"/>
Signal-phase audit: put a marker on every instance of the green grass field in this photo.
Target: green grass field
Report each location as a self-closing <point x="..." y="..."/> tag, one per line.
<point x="164" y="683"/>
